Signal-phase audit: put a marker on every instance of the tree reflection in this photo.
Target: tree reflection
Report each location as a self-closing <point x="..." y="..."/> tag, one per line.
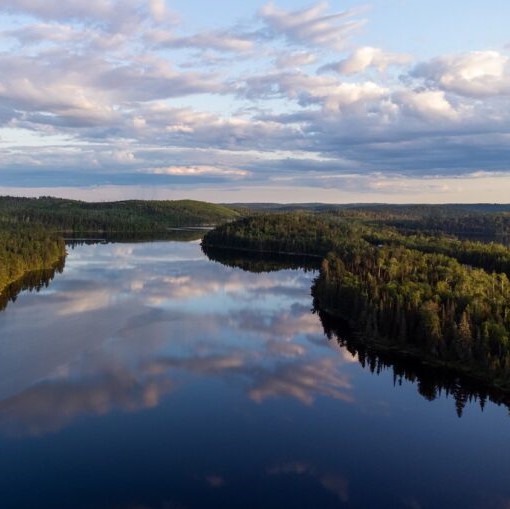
<point x="256" y="262"/>
<point x="431" y="381"/>
<point x="175" y="234"/>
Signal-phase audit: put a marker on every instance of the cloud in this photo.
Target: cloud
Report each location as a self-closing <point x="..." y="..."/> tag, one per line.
<point x="308" y="90"/>
<point x="310" y="26"/>
<point x="294" y="59"/>
<point x="55" y="10"/>
<point x="216" y="40"/>
<point x="198" y="170"/>
<point x="428" y="104"/>
<point x="113" y="16"/>
<point x="477" y="74"/>
<point x="158" y="10"/>
<point x="125" y="93"/>
<point x="365" y="58"/>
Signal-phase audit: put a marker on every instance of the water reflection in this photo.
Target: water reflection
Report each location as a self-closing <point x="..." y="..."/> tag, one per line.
<point x="174" y="234"/>
<point x="126" y="324"/>
<point x="431" y="382"/>
<point x="145" y="376"/>
<point x="51" y="404"/>
<point x="257" y="262"/>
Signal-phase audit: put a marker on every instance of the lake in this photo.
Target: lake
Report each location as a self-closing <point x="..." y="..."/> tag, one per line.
<point x="146" y="376"/>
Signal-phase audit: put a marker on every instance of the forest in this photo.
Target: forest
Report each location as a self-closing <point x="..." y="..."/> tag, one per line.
<point x="122" y="216"/>
<point x="437" y="297"/>
<point x="26" y="249"/>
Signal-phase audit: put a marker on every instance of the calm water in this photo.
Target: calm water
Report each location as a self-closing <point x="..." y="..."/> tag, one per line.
<point x="148" y="377"/>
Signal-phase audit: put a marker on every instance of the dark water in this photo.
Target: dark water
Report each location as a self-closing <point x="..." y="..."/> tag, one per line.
<point x="148" y="377"/>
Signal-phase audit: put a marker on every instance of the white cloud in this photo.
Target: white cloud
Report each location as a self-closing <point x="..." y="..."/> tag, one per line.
<point x="326" y="91"/>
<point x="367" y="57"/>
<point x="133" y="96"/>
<point x="296" y="59"/>
<point x="198" y="170"/>
<point x="428" y="104"/>
<point x="310" y="26"/>
<point x="217" y="40"/>
<point x="158" y="9"/>
<point x="474" y="74"/>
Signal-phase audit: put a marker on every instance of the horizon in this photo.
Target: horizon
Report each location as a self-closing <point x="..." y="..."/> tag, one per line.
<point x="334" y="102"/>
<point x="280" y="204"/>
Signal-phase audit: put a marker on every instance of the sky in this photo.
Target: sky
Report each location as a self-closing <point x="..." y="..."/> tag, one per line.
<point x="397" y="101"/>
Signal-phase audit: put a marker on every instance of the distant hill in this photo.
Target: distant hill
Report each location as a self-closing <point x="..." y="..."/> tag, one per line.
<point x="421" y="209"/>
<point x="468" y="220"/>
<point x="121" y="216"/>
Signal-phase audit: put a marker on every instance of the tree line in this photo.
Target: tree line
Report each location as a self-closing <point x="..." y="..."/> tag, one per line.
<point x="122" y="216"/>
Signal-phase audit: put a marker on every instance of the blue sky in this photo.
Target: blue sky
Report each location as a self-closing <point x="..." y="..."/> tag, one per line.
<point x="288" y="101"/>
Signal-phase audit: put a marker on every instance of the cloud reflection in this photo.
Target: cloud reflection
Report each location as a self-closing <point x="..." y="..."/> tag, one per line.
<point x="51" y="404"/>
<point x="303" y="382"/>
<point x="334" y="482"/>
<point x="106" y="348"/>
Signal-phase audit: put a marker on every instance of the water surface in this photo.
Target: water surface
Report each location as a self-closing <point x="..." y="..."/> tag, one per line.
<point x="147" y="376"/>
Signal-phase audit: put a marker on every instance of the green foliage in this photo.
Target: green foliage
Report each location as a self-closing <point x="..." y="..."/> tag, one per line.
<point x="27" y="249"/>
<point x="123" y="216"/>
<point x="475" y="220"/>
<point x="431" y="302"/>
<point x="467" y="220"/>
<point x="490" y="256"/>
<point x="290" y="233"/>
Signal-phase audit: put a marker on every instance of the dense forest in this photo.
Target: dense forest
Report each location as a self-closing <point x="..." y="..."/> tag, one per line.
<point x="25" y="249"/>
<point x="469" y="221"/>
<point x="432" y="296"/>
<point x="122" y="216"/>
<point x="35" y="280"/>
<point x="479" y="220"/>
<point x="315" y="234"/>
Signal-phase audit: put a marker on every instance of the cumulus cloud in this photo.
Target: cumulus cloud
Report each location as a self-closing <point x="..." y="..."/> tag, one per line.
<point x="126" y="92"/>
<point x="428" y="104"/>
<point x="475" y="74"/>
<point x="313" y="90"/>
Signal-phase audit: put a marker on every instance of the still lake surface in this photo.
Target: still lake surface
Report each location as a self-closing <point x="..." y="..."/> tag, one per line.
<point x="147" y="377"/>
